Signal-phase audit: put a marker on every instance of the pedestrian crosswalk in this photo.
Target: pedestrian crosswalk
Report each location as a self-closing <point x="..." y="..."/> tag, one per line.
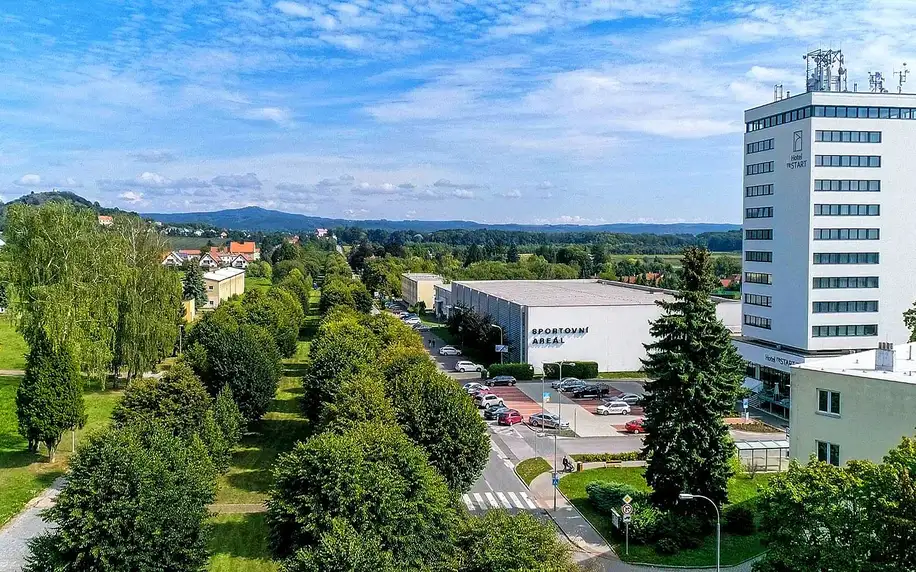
<point x="491" y="500"/>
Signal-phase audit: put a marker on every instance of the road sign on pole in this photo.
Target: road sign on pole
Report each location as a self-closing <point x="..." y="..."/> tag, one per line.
<point x="556" y="480"/>
<point x="627" y="509"/>
<point x="501" y="349"/>
<point x="546" y="396"/>
<point x="627" y="499"/>
<point x="626" y="517"/>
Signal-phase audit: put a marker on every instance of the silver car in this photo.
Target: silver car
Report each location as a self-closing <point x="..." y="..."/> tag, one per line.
<point x="548" y="421"/>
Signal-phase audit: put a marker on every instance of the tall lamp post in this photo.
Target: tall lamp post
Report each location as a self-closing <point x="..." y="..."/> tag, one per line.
<point x="556" y="431"/>
<point x="498" y="327"/>
<point x="686" y="496"/>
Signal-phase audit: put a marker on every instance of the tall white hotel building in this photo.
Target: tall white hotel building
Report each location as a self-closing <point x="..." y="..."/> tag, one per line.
<point x="829" y="226"/>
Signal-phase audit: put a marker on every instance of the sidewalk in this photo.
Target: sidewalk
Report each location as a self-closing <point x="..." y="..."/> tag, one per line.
<point x="15" y="536"/>
<point x="589" y="547"/>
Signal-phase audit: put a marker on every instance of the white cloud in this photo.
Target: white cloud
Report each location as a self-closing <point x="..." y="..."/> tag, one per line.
<point x="512" y="194"/>
<point x="279" y="115"/>
<point x="293" y="187"/>
<point x="570" y="219"/>
<point x="370" y="189"/>
<point x="29" y="180"/>
<point x="446" y="184"/>
<point x="34" y="180"/>
<point x="131" y="196"/>
<point x="153" y="157"/>
<point x="150" y="180"/>
<point x="294" y="9"/>
<point x="246" y="181"/>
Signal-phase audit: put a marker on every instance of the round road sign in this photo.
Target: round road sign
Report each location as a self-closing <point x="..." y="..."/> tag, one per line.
<point x="626" y="509"/>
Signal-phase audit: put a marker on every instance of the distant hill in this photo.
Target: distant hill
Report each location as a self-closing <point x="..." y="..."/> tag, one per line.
<point x="259" y="219"/>
<point x="36" y="199"/>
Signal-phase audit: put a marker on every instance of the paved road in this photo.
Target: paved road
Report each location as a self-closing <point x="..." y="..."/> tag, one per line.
<point x="27" y="524"/>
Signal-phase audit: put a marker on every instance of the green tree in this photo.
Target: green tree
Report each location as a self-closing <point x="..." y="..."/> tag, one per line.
<point x="4" y="297"/>
<point x="286" y="252"/>
<point x="512" y="253"/>
<point x="500" y="542"/>
<point x="374" y="479"/>
<point x="241" y="356"/>
<point x="333" y="294"/>
<point x="360" y="399"/>
<point x="283" y="268"/>
<point x="276" y="310"/>
<point x="473" y="255"/>
<point x="599" y="254"/>
<point x="696" y="373"/>
<point x="437" y="415"/>
<point x="49" y="400"/>
<point x="909" y="319"/>
<point x="135" y="501"/>
<point x="178" y="401"/>
<point x="726" y="266"/>
<point x="228" y="417"/>
<point x="299" y="286"/>
<point x="192" y="285"/>
<point x="343" y="549"/>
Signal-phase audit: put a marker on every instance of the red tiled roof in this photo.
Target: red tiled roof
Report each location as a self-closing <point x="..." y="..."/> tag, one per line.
<point x="248" y="247"/>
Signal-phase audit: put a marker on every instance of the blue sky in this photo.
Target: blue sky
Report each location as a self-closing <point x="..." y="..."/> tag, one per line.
<point x="498" y="111"/>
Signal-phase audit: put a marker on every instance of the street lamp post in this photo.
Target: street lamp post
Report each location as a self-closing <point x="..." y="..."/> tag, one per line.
<point x="498" y="327"/>
<point x="556" y="431"/>
<point x="686" y="496"/>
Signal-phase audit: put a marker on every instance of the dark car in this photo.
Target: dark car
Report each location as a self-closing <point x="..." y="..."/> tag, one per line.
<point x="591" y="390"/>
<point x="492" y="412"/>
<point x="502" y="380"/>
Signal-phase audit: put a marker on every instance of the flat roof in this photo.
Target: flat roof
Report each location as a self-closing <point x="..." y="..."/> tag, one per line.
<point x="447" y="287"/>
<point x="420" y="276"/>
<point x="223" y="274"/>
<point x="862" y="364"/>
<point x="569" y="292"/>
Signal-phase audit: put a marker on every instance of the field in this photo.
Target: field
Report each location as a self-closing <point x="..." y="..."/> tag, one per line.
<point x="22" y="474"/>
<point x="672" y="259"/>
<point x="257" y="283"/>
<point x="192" y="242"/>
<point x="735" y="549"/>
<point x="12" y="347"/>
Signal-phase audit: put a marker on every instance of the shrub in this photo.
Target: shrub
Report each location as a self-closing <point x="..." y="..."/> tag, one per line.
<point x="685" y="531"/>
<point x="582" y="370"/>
<point x="740" y="520"/>
<point x="520" y="371"/>
<point x="667" y="546"/>
<point x="605" y="496"/>
<point x="644" y="523"/>
<point x="605" y="457"/>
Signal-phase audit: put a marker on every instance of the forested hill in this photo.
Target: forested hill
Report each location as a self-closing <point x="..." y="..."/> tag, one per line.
<point x="36" y="199"/>
<point x="259" y="219"/>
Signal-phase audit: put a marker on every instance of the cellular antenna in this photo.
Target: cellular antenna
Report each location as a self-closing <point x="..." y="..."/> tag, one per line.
<point x="876" y="82"/>
<point x="901" y="78"/>
<point x="777" y="92"/>
<point x="825" y="70"/>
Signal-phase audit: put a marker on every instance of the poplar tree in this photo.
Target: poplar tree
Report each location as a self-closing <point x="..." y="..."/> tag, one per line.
<point x="193" y="286"/>
<point x="696" y="373"/>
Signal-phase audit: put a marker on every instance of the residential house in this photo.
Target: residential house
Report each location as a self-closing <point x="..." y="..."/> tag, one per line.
<point x="222" y="284"/>
<point x="240" y="261"/>
<point x="208" y="260"/>
<point x="321" y="232"/>
<point x="106" y="220"/>
<point x="174" y="259"/>
<point x="248" y="247"/>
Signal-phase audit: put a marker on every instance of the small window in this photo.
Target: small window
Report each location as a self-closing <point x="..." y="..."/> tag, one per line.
<point x="828" y="401"/>
<point x="828" y="453"/>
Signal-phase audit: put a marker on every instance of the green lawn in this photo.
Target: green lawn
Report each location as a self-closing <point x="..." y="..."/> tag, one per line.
<point x="257" y="283"/>
<point x="239" y="544"/>
<point x="22" y="474"/>
<point x="12" y="347"/>
<point x="531" y="468"/>
<point x="622" y="375"/>
<point x="735" y="549"/>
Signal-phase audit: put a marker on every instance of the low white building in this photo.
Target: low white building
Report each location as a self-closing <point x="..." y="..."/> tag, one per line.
<point x="419" y="287"/>
<point x="545" y="321"/>
<point x="855" y="406"/>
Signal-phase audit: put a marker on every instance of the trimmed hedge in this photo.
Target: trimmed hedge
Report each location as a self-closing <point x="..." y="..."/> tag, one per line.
<point x="582" y="370"/>
<point x="605" y="457"/>
<point x="520" y="371"/>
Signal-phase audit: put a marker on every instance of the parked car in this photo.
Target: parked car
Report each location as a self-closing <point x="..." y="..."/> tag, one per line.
<point x="412" y="321"/>
<point x="492" y="412"/>
<point x="571" y="385"/>
<point x="510" y="417"/>
<point x="591" y="390"/>
<point x="487" y="399"/>
<point x="635" y="426"/>
<point x="613" y="407"/>
<point x="449" y="351"/>
<point x="472" y="387"/>
<point x="502" y="380"/>
<point x="483" y="390"/>
<point x="421" y="327"/>
<point x="464" y="366"/>
<point x="559" y="384"/>
<point x="630" y="398"/>
<point x="548" y="420"/>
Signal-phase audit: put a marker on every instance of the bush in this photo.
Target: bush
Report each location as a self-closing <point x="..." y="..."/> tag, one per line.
<point x="644" y="523"/>
<point x="740" y="520"/>
<point x="582" y="370"/>
<point x="606" y="457"/>
<point x="685" y="531"/>
<point x="605" y="496"/>
<point x="520" y="371"/>
<point x="667" y="546"/>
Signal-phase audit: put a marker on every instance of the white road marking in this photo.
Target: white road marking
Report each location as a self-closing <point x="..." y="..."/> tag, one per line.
<point x="504" y="500"/>
<point x="480" y="502"/>
<point x="468" y="503"/>
<point x="528" y="500"/>
<point x="516" y="501"/>
<point x="492" y="500"/>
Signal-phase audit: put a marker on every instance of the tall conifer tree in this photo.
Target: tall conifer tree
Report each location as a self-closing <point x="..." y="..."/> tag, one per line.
<point x="696" y="373"/>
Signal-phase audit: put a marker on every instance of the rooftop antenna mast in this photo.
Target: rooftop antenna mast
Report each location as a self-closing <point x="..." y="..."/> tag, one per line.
<point x="901" y="78"/>
<point x="876" y="82"/>
<point x="825" y="70"/>
<point x="777" y="92"/>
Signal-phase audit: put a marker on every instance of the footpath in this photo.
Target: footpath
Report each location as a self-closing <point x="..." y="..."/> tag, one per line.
<point x="15" y="536"/>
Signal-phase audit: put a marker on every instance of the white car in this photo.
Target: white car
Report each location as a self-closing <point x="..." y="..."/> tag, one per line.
<point x="464" y="366"/>
<point x="449" y="351"/>
<point x="487" y="400"/>
<point x="413" y="321"/>
<point x="565" y="381"/>
<point x="615" y="407"/>
<point x="473" y="386"/>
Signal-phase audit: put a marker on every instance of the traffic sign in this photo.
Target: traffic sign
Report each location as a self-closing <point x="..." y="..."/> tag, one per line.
<point x="627" y="499"/>
<point x="627" y="509"/>
<point x="746" y="402"/>
<point x="500" y="349"/>
<point x="626" y="517"/>
<point x="556" y="480"/>
<point x="546" y="396"/>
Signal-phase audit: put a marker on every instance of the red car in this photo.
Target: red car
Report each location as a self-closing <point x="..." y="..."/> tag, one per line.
<point x="635" y="426"/>
<point x="510" y="417"/>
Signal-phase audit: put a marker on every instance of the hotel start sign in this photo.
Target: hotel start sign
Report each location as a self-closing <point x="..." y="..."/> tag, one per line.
<point x="545" y="336"/>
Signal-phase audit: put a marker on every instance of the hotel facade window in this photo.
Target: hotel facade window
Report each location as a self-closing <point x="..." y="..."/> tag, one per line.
<point x="845" y="331"/>
<point x="758" y="190"/>
<point x="846" y="258"/>
<point x="847" y="136"/>
<point x="845" y="307"/>
<point x="758" y="146"/>
<point x="847" y="234"/>
<point x="848" y="185"/>
<point x="828" y="453"/>
<point x="759" y="234"/>
<point x="847" y="210"/>
<point x="757" y="322"/>
<point x="758" y="256"/>
<point x="847" y="161"/>
<point x="840" y="282"/>
<point x="828" y="401"/>
<point x="758" y="212"/>
<point x="759" y="168"/>
<point x="758" y="300"/>
<point x="758" y="278"/>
